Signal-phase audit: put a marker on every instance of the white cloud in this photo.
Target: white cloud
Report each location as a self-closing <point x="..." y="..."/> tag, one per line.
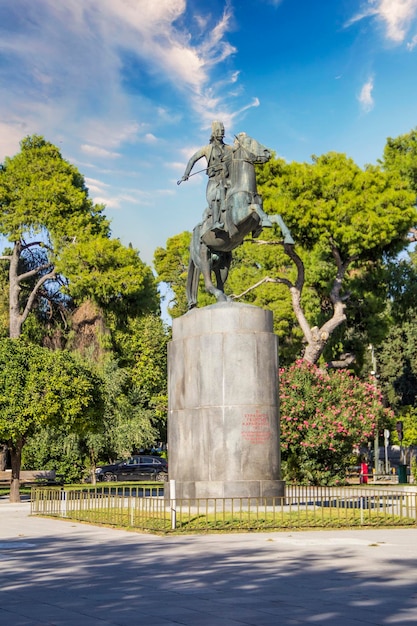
<point x="150" y="138"/>
<point x="412" y="44"/>
<point x="71" y="57"/>
<point x="396" y="15"/>
<point x="116" y="202"/>
<point x="110" y="203"/>
<point x="99" y="152"/>
<point x="112" y="133"/>
<point x="11" y="133"/>
<point x="95" y="186"/>
<point x="365" y="97"/>
<point x="178" y="165"/>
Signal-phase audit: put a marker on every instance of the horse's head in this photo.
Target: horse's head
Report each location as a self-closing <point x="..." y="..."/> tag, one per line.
<point x="253" y="151"/>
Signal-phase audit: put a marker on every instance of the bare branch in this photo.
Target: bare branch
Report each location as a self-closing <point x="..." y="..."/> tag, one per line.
<point x="262" y="242"/>
<point x="290" y="251"/>
<point x="33" y="294"/>
<point x="316" y="338"/>
<point x="267" y="279"/>
<point x="342" y="267"/>
<point x="344" y="361"/>
<point x="33" y="272"/>
<point x="32" y="244"/>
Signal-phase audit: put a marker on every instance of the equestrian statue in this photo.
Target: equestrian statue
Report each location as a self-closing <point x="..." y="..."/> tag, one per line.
<point x="234" y="209"/>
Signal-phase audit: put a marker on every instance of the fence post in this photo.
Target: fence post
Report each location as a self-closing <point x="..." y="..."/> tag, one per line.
<point x="415" y="506"/>
<point x="172" y="496"/>
<point x="63" y="510"/>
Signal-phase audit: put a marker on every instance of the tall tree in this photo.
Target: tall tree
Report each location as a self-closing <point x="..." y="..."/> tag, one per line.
<point x="44" y="206"/>
<point x="60" y="240"/>
<point x="129" y="425"/>
<point x="111" y="275"/>
<point x="348" y="218"/>
<point x="39" y="388"/>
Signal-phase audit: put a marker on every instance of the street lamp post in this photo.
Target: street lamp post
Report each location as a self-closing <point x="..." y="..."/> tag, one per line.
<point x="386" y="442"/>
<point x="376" y="437"/>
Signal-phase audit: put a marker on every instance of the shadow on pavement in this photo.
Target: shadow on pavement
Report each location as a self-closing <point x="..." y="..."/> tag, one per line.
<point x="114" y="577"/>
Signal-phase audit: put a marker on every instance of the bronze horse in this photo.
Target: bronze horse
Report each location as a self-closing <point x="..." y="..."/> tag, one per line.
<point x="211" y="251"/>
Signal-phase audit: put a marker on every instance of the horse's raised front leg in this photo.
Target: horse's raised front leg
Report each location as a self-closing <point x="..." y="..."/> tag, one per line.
<point x="206" y="271"/>
<point x="277" y="219"/>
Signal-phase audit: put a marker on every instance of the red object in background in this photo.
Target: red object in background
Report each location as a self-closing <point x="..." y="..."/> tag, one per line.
<point x="364" y="473"/>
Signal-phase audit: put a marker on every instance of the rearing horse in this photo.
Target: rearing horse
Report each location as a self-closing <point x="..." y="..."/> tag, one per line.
<point x="211" y="251"/>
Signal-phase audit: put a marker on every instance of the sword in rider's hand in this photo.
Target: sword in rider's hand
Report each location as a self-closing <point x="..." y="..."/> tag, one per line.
<point x="194" y="173"/>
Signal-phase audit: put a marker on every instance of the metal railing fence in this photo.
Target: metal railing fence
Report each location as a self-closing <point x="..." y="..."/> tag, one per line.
<point x="303" y="507"/>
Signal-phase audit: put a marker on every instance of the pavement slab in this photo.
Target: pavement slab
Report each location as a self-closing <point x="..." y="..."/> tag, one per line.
<point x="62" y="573"/>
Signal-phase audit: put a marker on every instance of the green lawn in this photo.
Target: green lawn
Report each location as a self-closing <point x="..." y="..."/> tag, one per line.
<point x="242" y="520"/>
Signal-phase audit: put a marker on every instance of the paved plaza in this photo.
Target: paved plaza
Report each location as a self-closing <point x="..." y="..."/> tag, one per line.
<point x="68" y="574"/>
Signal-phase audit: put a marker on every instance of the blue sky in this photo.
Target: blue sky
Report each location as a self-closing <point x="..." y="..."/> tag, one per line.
<point x="128" y="89"/>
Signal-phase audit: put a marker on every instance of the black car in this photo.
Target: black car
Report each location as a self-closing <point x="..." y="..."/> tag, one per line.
<point x="135" y="468"/>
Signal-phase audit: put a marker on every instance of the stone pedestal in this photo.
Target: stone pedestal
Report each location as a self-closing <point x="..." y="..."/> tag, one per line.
<point x="223" y="418"/>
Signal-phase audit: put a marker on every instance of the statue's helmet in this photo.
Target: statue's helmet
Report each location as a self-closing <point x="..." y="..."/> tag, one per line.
<point x="217" y="129"/>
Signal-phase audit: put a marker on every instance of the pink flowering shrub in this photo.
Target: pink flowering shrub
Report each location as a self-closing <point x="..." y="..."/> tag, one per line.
<point x="323" y="416"/>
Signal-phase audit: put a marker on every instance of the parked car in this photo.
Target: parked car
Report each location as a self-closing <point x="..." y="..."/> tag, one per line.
<point x="135" y="468"/>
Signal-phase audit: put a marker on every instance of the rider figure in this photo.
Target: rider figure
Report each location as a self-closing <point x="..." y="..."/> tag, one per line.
<point x="216" y="154"/>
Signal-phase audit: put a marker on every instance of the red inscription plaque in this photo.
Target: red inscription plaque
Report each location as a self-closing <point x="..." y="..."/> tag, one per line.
<point x="256" y="427"/>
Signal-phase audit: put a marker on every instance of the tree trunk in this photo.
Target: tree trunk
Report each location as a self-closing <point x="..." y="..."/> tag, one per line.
<point x="93" y="461"/>
<point x="15" y="322"/>
<point x="3" y="456"/>
<point x="316" y="344"/>
<point x="16" y="317"/>
<point x="16" y="461"/>
<point x="316" y="338"/>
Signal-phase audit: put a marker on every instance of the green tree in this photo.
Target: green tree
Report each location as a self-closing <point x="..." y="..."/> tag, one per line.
<point x="171" y="264"/>
<point x="142" y="347"/>
<point x="396" y="354"/>
<point x="39" y="388"/>
<point x="55" y="448"/>
<point x="111" y="275"/>
<point x="128" y="425"/>
<point x="408" y="415"/>
<point x="400" y="155"/>
<point x="345" y="218"/>
<point x="59" y="238"/>
<point x="397" y="365"/>
<point x="347" y="222"/>
<point x="44" y="206"/>
<point x="324" y="415"/>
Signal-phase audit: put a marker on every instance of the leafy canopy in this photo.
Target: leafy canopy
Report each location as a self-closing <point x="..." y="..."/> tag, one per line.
<point x="363" y="212"/>
<point x="40" y="192"/>
<point x="40" y="387"/>
<point x="110" y="274"/>
<point x="400" y="155"/>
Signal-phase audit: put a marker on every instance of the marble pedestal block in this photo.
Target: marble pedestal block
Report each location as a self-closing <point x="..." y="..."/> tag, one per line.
<point x="223" y="416"/>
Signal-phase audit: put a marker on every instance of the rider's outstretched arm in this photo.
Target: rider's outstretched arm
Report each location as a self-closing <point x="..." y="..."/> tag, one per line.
<point x="193" y="160"/>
